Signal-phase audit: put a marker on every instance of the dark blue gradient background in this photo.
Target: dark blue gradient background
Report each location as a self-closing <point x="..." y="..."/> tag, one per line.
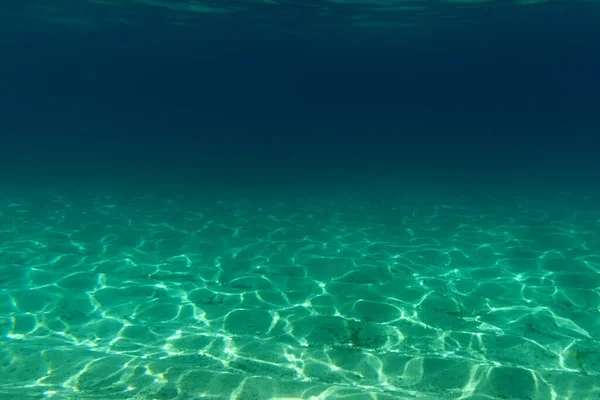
<point x="511" y="97"/>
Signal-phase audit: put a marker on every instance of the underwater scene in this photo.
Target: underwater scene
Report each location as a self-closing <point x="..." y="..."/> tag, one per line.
<point x="286" y="199"/>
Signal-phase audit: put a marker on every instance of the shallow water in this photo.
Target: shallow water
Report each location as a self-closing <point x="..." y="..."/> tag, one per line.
<point x="414" y="295"/>
<point x="321" y="199"/>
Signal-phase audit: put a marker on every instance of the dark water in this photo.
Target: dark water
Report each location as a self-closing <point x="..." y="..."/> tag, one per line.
<point x="300" y="199"/>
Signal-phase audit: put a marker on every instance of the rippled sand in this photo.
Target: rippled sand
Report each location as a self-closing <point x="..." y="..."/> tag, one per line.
<point x="166" y="297"/>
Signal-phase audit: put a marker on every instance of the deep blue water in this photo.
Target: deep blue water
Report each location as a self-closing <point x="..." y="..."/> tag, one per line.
<point x="267" y="199"/>
<point x="277" y="90"/>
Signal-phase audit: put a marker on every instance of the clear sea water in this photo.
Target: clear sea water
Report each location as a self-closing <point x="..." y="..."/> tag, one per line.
<point x="318" y="199"/>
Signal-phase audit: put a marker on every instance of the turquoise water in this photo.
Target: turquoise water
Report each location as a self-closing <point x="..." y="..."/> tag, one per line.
<point x="299" y="199"/>
<point x="311" y="295"/>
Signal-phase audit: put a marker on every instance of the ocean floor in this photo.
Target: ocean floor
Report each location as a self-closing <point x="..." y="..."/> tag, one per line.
<point x="154" y="296"/>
